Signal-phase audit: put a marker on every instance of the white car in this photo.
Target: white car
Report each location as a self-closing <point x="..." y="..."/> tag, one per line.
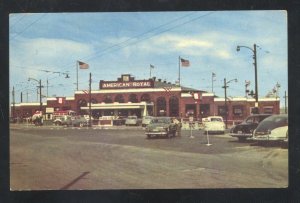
<point x="146" y="120"/>
<point x="273" y="128"/>
<point x="213" y="124"/>
<point x="132" y="120"/>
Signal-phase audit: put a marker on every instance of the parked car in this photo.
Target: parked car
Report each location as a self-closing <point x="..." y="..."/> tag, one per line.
<point x="80" y="121"/>
<point x="146" y="120"/>
<point x="63" y="120"/>
<point x="131" y="120"/>
<point x="273" y="128"/>
<point x="161" y="126"/>
<point x="245" y="129"/>
<point x="213" y="124"/>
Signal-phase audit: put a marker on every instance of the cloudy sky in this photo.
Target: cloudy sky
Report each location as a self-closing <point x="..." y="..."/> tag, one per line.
<point x="46" y="46"/>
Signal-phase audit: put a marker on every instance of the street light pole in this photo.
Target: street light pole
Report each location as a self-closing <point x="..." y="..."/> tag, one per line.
<point x="225" y="90"/>
<point x="40" y="87"/>
<point x="255" y="69"/>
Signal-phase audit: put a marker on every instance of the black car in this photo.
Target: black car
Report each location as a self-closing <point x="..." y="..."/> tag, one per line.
<point x="245" y="129"/>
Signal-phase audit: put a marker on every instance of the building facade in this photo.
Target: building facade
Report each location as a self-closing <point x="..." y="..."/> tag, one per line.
<point x="127" y="96"/>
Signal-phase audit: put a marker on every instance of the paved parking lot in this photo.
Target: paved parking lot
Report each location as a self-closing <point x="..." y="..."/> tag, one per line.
<point x="52" y="157"/>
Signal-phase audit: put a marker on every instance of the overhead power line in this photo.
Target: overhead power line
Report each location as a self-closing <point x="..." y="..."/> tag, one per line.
<point x="118" y="47"/>
<point x="27" y="27"/>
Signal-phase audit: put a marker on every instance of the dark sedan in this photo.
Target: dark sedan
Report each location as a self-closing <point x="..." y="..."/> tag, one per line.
<point x="161" y="126"/>
<point x="245" y="129"/>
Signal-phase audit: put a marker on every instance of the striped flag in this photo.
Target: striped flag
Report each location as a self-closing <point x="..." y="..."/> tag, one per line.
<point x="83" y="65"/>
<point x="184" y="62"/>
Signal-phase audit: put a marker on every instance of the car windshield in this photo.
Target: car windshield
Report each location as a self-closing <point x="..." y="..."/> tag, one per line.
<point x="216" y="119"/>
<point x="255" y="119"/>
<point x="160" y="120"/>
<point x="272" y="122"/>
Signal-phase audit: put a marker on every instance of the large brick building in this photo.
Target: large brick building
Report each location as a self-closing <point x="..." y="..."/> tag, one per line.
<point x="128" y="96"/>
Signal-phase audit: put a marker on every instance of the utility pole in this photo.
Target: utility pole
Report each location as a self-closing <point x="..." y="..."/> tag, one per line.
<point x="13" y="97"/>
<point x="225" y="88"/>
<point x="47" y="87"/>
<point x="21" y="97"/>
<point x="90" y="99"/>
<point x="285" y="107"/>
<point x="255" y="67"/>
<point x="40" y="94"/>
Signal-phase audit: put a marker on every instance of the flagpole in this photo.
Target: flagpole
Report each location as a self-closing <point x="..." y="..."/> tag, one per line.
<point x="77" y="75"/>
<point x="212" y="82"/>
<point x="179" y="72"/>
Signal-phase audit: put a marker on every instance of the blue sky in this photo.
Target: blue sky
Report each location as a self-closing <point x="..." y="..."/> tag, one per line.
<point x="128" y="42"/>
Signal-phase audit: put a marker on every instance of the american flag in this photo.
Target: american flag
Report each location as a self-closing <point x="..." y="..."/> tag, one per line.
<point x="184" y="62"/>
<point x="83" y="65"/>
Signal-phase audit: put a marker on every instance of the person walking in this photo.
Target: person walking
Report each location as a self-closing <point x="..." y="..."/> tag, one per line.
<point x="178" y="126"/>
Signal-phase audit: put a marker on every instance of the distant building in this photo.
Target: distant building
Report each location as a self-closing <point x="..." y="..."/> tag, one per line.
<point x="128" y="96"/>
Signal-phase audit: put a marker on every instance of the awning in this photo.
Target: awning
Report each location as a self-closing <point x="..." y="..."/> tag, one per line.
<point x="117" y="105"/>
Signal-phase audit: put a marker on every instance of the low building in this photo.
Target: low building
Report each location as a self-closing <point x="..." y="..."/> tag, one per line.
<point x="127" y="96"/>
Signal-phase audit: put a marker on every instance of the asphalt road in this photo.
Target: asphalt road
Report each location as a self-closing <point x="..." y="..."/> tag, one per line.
<point x="58" y="158"/>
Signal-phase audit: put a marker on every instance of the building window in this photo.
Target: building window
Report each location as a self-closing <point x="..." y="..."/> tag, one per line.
<point x="221" y="110"/>
<point x="204" y="110"/>
<point x="146" y="98"/>
<point x="268" y="109"/>
<point x="161" y="106"/>
<point x="174" y="106"/>
<point x="94" y="101"/>
<point x="81" y="103"/>
<point x="133" y="98"/>
<point x="119" y="98"/>
<point x="237" y="110"/>
<point x="107" y="99"/>
<point x="190" y="110"/>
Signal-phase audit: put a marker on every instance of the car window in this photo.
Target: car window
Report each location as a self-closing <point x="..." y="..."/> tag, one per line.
<point x="216" y="119"/>
<point x="249" y="120"/>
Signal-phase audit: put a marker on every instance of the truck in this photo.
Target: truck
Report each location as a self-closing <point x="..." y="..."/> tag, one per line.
<point x="63" y="117"/>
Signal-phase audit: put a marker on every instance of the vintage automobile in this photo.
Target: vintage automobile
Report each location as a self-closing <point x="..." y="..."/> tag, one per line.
<point x="161" y="126"/>
<point x="273" y="128"/>
<point x="132" y="120"/>
<point x="63" y="120"/>
<point x="245" y="129"/>
<point x="146" y="120"/>
<point x="80" y="121"/>
<point x="213" y="124"/>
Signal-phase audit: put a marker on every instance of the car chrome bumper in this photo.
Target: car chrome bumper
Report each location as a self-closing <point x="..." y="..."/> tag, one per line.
<point x="266" y="138"/>
<point x="156" y="133"/>
<point x="240" y="135"/>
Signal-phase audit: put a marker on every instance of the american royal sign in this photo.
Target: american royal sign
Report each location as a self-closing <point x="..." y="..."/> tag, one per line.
<point x="126" y="85"/>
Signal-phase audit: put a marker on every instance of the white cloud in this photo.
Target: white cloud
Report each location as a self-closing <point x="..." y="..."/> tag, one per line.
<point x="46" y="53"/>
